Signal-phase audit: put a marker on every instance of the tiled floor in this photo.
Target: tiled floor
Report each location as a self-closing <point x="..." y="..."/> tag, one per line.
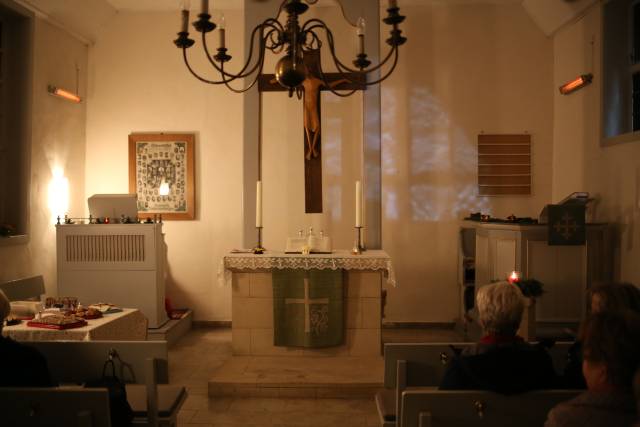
<point x="196" y="356"/>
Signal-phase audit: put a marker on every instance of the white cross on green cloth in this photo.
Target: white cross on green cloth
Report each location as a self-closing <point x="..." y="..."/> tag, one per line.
<point x="308" y="308"/>
<point x="307" y="304"/>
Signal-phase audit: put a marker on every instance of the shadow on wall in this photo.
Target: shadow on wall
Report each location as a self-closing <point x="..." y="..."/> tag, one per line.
<point x="442" y="162"/>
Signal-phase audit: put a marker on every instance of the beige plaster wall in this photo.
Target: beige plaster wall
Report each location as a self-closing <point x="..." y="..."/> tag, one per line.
<point x="139" y="83"/>
<point x="467" y="69"/>
<point x="611" y="173"/>
<point x="460" y="74"/>
<point x="58" y="137"/>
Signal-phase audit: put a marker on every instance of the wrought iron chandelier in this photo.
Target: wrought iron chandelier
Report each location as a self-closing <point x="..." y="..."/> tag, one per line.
<point x="294" y="40"/>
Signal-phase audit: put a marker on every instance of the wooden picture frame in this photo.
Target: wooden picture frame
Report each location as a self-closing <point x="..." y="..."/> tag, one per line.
<point x="162" y="174"/>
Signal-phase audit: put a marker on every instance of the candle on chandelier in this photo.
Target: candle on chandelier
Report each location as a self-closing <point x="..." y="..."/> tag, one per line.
<point x="358" y="204"/>
<point x="222" y="28"/>
<point x="185" y="16"/>
<point x="360" y="32"/>
<point x="393" y="4"/>
<point x="259" y="204"/>
<point x="204" y="9"/>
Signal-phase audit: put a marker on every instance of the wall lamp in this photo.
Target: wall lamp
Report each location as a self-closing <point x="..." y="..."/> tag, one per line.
<point x="65" y="94"/>
<point x="575" y="84"/>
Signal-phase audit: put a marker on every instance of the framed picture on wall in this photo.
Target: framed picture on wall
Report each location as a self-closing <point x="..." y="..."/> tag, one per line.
<point x="162" y="174"/>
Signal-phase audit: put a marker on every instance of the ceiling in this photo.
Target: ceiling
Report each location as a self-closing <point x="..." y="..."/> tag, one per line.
<point x="85" y="18"/>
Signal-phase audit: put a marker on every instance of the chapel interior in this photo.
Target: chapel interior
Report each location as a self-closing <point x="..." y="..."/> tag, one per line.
<point x="421" y="160"/>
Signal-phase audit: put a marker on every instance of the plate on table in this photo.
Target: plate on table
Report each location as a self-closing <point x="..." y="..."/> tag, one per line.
<point x="87" y="314"/>
<point x="105" y="308"/>
<point x="58" y="323"/>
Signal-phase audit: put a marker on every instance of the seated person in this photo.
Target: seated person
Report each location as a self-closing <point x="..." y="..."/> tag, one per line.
<point x="20" y="365"/>
<point x="611" y="356"/>
<point x="502" y="361"/>
<point x="604" y="297"/>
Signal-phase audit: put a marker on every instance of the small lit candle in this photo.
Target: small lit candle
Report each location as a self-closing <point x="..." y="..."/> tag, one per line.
<point x="259" y="204"/>
<point x="204" y="7"/>
<point x="358" y="204"/>
<point x="222" y="28"/>
<point x="360" y="32"/>
<point x="514" y="277"/>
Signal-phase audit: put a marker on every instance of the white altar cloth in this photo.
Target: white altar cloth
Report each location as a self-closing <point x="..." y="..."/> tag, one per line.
<point x="374" y="260"/>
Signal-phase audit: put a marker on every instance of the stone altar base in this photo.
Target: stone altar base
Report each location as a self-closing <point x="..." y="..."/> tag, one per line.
<point x="305" y="377"/>
<point x="252" y="325"/>
<point x="261" y="369"/>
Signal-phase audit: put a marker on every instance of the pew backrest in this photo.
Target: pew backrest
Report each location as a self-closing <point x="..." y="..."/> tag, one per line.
<point x="23" y="289"/>
<point x="426" y="363"/>
<point x="429" y="407"/>
<point x="74" y="362"/>
<point x="54" y="407"/>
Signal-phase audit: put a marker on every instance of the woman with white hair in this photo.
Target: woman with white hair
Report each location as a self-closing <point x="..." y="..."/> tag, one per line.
<point x="502" y="361"/>
<point x="20" y="365"/>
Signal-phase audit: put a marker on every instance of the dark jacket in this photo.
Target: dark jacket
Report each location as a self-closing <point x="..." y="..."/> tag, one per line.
<point x="22" y="366"/>
<point x="572" y="376"/>
<point x="591" y="409"/>
<point x="503" y="365"/>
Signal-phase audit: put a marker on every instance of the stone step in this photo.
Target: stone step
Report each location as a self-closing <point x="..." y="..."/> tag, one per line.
<point x="172" y="330"/>
<point x="308" y="377"/>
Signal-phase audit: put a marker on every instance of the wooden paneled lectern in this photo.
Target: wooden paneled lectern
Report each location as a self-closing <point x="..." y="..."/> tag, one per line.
<point x="567" y="272"/>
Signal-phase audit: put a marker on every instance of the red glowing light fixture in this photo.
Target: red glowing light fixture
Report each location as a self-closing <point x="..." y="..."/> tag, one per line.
<point x="575" y="84"/>
<point x="65" y="94"/>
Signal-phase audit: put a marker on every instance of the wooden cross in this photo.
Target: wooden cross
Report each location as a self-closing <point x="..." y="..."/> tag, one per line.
<point x="311" y="88"/>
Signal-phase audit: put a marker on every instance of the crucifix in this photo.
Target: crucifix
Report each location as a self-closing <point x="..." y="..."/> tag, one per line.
<point x="310" y="88"/>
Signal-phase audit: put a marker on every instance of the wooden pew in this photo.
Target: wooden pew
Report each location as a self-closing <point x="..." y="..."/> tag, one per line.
<point x="429" y="407"/>
<point x="153" y="400"/>
<point x="30" y="288"/>
<point x="424" y="364"/>
<point x="54" y="407"/>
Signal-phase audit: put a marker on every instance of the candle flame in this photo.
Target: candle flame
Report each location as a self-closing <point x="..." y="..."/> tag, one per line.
<point x="514" y="277"/>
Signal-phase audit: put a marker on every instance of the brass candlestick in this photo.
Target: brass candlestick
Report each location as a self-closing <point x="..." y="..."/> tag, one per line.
<point x="259" y="250"/>
<point x="358" y="245"/>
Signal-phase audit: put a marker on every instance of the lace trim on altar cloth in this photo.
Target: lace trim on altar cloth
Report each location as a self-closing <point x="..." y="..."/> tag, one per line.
<point x="228" y="264"/>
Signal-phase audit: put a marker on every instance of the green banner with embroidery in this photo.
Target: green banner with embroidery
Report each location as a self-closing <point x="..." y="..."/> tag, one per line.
<point x="308" y="308"/>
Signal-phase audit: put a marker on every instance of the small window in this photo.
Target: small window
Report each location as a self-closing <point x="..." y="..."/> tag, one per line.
<point x="620" y="69"/>
<point x="15" y="131"/>
<point x="636" y="101"/>
<point x="635" y="25"/>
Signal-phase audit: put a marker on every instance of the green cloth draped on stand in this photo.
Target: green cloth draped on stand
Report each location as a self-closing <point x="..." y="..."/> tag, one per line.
<point x="308" y="308"/>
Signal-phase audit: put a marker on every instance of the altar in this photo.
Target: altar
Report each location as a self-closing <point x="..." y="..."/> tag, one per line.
<point x="253" y="300"/>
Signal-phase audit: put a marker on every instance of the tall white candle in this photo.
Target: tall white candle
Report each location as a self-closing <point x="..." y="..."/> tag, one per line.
<point x="358" y="204"/>
<point x="259" y="204"/>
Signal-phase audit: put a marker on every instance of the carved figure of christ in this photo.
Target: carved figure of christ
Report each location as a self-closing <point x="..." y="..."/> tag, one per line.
<point x="307" y="304"/>
<point x="312" y="121"/>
